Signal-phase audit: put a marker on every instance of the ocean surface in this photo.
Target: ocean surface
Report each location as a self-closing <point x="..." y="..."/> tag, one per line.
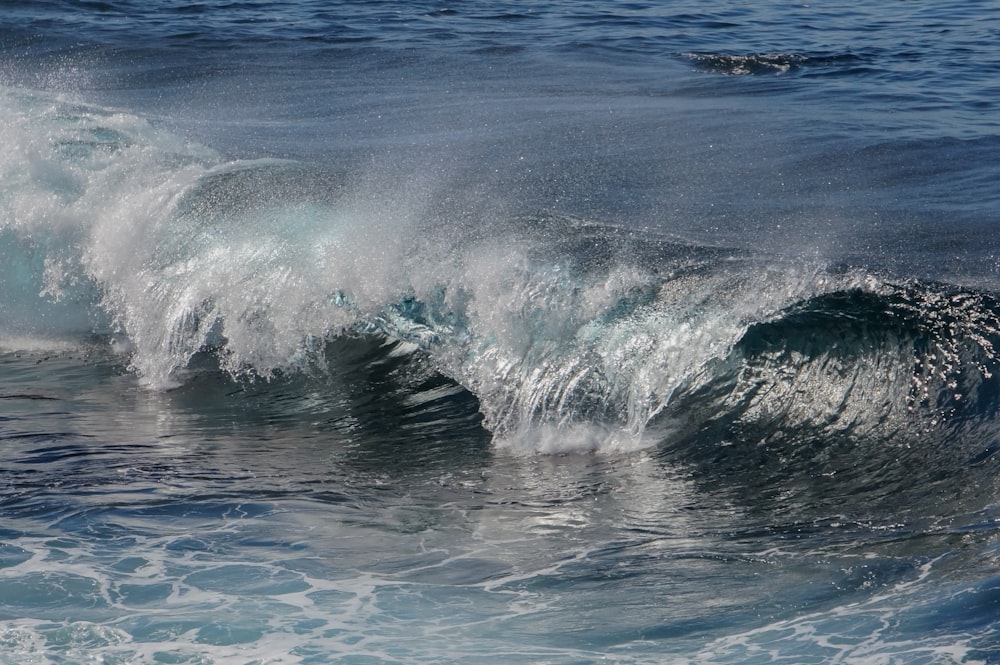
<point x="499" y="332"/>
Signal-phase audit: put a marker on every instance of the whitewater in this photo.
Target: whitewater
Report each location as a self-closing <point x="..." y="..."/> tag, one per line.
<point x="597" y="332"/>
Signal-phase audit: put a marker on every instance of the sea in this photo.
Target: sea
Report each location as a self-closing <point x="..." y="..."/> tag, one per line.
<point x="587" y="331"/>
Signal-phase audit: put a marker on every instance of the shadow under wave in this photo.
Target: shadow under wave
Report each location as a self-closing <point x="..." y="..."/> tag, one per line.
<point x="379" y="402"/>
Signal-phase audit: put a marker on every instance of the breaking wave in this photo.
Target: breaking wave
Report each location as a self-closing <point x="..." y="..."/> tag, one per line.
<point x="565" y="333"/>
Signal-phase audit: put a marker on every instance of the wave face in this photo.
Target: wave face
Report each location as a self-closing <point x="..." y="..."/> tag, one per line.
<point x="570" y="334"/>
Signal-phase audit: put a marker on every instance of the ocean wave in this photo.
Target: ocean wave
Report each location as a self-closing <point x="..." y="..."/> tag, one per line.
<point x="552" y="324"/>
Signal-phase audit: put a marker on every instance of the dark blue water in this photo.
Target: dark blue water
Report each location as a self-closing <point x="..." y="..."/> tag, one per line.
<point x="415" y="333"/>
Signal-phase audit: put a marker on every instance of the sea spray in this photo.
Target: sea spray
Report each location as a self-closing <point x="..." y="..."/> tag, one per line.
<point x="555" y="324"/>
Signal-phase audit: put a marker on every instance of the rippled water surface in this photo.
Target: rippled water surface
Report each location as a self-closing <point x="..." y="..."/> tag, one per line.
<point x="410" y="333"/>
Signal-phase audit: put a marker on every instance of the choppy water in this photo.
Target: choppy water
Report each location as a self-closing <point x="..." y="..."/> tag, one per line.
<point x="410" y="333"/>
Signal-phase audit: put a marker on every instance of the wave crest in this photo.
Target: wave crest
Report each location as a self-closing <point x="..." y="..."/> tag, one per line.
<point x="554" y="323"/>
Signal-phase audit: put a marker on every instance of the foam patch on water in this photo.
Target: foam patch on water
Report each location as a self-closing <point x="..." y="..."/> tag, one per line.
<point x="882" y="629"/>
<point x="197" y="599"/>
